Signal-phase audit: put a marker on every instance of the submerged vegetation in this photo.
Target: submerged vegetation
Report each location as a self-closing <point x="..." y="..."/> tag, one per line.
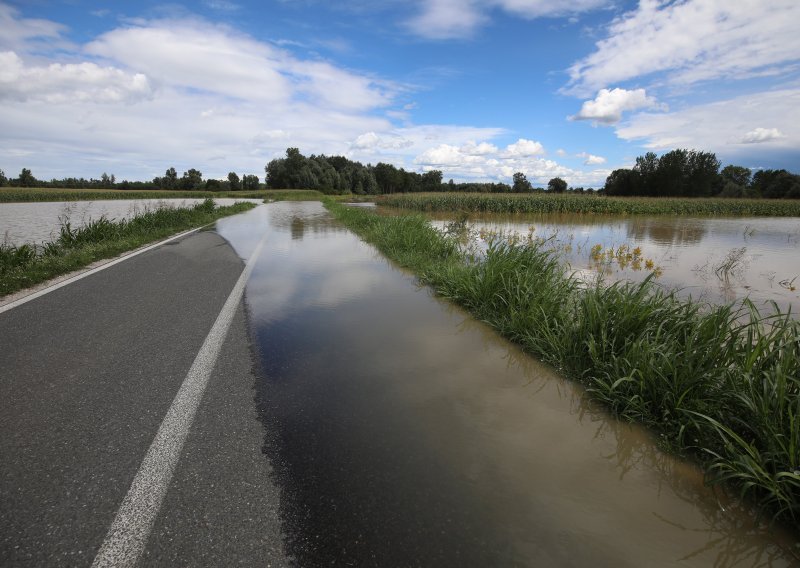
<point x="28" y="264"/>
<point x="718" y="383"/>
<point x="546" y="204"/>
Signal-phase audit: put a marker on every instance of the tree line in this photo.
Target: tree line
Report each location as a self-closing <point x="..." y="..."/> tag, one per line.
<point x="337" y="174"/>
<point x="191" y="180"/>
<point x="692" y="173"/>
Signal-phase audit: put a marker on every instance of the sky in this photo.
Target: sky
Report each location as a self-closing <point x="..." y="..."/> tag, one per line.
<point x="477" y="89"/>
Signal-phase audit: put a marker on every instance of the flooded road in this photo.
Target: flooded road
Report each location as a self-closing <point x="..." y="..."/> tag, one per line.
<point x="404" y="433"/>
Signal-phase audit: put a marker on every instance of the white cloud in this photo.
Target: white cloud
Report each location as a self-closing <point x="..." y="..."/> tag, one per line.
<point x="608" y="106"/>
<point x="591" y="159"/>
<point x="693" y="40"/>
<point x="462" y="162"/>
<point x="762" y="135"/>
<point x="27" y="33"/>
<point x="448" y="19"/>
<point x="57" y="83"/>
<point x="370" y="141"/>
<point x="719" y="126"/>
<point x="523" y="147"/>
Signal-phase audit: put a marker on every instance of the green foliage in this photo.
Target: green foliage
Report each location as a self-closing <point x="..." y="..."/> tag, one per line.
<point x="719" y="383"/>
<point x="26" y="265"/>
<point x="556" y="185"/>
<point x="521" y="183"/>
<point x="234" y="184"/>
<point x="589" y="204"/>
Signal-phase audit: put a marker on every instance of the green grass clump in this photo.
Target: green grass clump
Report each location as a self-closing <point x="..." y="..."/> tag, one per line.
<point x="718" y="383"/>
<point x="17" y="194"/>
<point x="27" y="265"/>
<point x="591" y="205"/>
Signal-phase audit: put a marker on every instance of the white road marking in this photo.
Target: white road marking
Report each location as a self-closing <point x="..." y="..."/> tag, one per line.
<point x="127" y="537"/>
<point x="33" y="296"/>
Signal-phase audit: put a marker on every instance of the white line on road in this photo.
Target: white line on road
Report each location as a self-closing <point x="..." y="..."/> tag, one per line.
<point x="127" y="537"/>
<point x="33" y="296"/>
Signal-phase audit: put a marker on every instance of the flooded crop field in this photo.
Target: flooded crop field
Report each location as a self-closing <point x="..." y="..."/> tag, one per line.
<point x="717" y="260"/>
<point x="404" y="433"/>
<point x="38" y="222"/>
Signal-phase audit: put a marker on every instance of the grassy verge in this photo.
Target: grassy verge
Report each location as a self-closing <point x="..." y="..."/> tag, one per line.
<point x="591" y="205"/>
<point x="718" y="383"/>
<point x="16" y="194"/>
<point x="27" y="265"/>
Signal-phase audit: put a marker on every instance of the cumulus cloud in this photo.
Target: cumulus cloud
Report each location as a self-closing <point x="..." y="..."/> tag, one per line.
<point x="591" y="159"/>
<point x="693" y="40"/>
<point x="607" y="107"/>
<point x="57" y="83"/>
<point x="370" y="141"/>
<point x="500" y="164"/>
<point x="759" y="135"/>
<point x="719" y="126"/>
<point x="448" y="19"/>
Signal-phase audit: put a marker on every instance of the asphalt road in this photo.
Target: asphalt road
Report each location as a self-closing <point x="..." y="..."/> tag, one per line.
<point x="87" y="374"/>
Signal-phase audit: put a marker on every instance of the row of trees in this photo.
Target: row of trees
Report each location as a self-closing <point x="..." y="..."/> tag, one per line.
<point x="691" y="173"/>
<point x="337" y="174"/>
<point x="191" y="180"/>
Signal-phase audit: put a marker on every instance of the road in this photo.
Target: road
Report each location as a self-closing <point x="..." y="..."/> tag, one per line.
<point x="87" y="375"/>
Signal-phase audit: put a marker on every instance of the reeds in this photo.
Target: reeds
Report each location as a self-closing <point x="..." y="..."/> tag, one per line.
<point x="591" y="205"/>
<point x="718" y="383"/>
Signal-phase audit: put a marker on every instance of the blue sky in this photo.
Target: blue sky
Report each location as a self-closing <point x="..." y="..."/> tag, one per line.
<point x="479" y="90"/>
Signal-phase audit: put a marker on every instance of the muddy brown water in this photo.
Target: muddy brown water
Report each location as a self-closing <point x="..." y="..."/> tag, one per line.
<point x="404" y="433"/>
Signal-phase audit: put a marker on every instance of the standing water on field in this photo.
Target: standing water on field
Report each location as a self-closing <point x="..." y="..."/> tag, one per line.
<point x="404" y="433"/>
<point x="717" y="260"/>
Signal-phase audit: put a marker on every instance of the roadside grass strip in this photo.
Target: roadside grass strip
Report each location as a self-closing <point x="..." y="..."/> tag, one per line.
<point x="718" y="384"/>
<point x="23" y="266"/>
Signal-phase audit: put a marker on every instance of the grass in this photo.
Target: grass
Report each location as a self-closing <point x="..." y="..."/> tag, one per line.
<point x="591" y="205"/>
<point x="16" y="194"/>
<point x="27" y="265"/>
<point x="720" y="384"/>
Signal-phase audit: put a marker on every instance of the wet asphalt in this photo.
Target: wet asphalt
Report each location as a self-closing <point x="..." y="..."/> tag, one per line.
<point x="87" y="373"/>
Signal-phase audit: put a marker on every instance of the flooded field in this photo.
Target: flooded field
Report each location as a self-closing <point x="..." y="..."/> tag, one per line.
<point x="711" y="259"/>
<point x="39" y="222"/>
<point x="404" y="433"/>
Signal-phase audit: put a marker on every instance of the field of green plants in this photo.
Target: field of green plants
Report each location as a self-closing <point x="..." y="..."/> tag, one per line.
<point x="29" y="264"/>
<point x="589" y="204"/>
<point x="719" y="384"/>
<point x="17" y="194"/>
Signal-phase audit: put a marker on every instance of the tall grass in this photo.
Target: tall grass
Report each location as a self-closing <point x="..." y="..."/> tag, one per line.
<point x="718" y="383"/>
<point x="591" y="205"/>
<point x="26" y="265"/>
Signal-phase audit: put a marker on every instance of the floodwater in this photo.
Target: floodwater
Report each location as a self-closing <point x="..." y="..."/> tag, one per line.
<point x="690" y="253"/>
<point x="40" y="222"/>
<point x="404" y="433"/>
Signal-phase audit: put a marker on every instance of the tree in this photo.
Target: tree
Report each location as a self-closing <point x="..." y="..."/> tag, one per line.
<point x="3" y="178"/>
<point x="736" y="174"/>
<point x="250" y="183"/>
<point x="623" y="182"/>
<point x="26" y="179"/>
<point x="233" y="181"/>
<point x="213" y="185"/>
<point x="521" y="183"/>
<point x="192" y="180"/>
<point x="557" y="185"/>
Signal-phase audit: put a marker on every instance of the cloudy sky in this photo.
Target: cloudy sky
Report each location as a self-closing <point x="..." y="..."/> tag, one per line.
<point x="477" y="89"/>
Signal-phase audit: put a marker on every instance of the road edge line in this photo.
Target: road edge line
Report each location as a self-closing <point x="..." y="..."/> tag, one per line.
<point x="127" y="537"/>
<point x="70" y="280"/>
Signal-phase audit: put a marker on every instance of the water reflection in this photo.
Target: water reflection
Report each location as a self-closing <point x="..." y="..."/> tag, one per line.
<point x="690" y="252"/>
<point x="403" y="432"/>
